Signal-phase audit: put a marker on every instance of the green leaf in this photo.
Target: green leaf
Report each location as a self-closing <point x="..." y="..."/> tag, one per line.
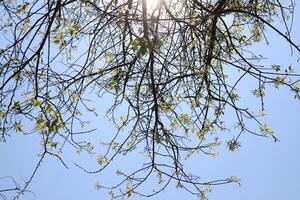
<point x="2" y="114"/>
<point x="258" y="93"/>
<point x="109" y="58"/>
<point x="141" y="46"/>
<point x="101" y="160"/>
<point x="53" y="144"/>
<point x="73" y="30"/>
<point x="264" y="129"/>
<point x="276" y="67"/>
<point x="98" y="186"/>
<point x="40" y="124"/>
<point x="47" y="108"/>
<point x="233" y="144"/>
<point x="22" y="8"/>
<point x="18" y="127"/>
<point x="35" y="102"/>
<point x="17" y="106"/>
<point x="278" y="81"/>
<point x="128" y="191"/>
<point x="157" y="138"/>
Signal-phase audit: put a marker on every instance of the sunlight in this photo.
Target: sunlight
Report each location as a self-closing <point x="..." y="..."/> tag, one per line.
<point x="152" y="5"/>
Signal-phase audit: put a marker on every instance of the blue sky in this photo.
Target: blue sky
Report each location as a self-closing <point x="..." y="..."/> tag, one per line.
<point x="267" y="170"/>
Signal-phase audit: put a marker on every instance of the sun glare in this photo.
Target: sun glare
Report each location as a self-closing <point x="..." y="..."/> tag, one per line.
<point x="152" y="5"/>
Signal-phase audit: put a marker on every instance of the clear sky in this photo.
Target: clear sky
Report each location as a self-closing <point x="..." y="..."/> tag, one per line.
<point x="268" y="170"/>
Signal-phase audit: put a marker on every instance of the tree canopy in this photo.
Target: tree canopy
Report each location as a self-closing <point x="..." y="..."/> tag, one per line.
<point x="170" y="68"/>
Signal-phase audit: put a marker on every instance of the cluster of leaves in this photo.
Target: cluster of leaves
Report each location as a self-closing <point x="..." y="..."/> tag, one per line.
<point x="167" y="67"/>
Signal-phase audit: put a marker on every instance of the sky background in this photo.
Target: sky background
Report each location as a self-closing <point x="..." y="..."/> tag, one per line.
<point x="268" y="170"/>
